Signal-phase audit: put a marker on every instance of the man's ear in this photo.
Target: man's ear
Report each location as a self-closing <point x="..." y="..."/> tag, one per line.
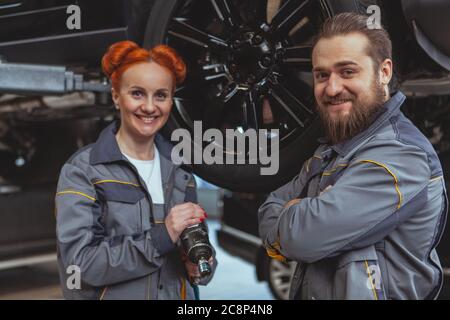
<point x="386" y="70"/>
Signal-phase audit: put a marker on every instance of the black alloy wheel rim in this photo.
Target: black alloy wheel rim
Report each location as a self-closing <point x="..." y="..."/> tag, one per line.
<point x="249" y="64"/>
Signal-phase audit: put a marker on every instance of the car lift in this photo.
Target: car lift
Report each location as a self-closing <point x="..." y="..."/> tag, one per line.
<point x="44" y="80"/>
<point x="19" y="78"/>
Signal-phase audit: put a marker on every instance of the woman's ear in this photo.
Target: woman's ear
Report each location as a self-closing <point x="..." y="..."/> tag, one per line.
<point x="115" y="97"/>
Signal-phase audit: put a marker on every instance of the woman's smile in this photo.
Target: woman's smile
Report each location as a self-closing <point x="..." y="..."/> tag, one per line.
<point x="147" y="119"/>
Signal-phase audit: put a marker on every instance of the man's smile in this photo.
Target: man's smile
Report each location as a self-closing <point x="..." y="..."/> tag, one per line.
<point x="339" y="105"/>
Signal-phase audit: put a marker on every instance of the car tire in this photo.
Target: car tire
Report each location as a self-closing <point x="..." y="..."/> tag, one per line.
<point x="294" y="149"/>
<point x="278" y="276"/>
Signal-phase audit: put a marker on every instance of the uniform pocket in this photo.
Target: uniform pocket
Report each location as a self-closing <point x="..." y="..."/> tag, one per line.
<point x="119" y="192"/>
<point x="122" y="210"/>
<point x="358" y="276"/>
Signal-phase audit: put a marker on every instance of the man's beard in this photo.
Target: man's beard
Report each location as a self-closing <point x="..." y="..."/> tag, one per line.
<point x="361" y="115"/>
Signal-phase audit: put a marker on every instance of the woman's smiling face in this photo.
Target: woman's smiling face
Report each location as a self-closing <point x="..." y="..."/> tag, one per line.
<point x="144" y="99"/>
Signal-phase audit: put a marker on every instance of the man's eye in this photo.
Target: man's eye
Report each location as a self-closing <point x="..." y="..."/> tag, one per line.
<point x="348" y="72"/>
<point x="321" y="76"/>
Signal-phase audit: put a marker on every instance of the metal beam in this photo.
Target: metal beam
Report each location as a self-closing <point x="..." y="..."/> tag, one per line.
<point x="35" y="79"/>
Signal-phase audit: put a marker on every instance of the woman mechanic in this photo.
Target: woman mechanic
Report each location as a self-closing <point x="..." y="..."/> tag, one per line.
<point x="121" y="203"/>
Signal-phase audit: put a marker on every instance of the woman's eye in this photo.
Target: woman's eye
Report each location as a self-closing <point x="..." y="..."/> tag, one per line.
<point x="137" y="93"/>
<point x="161" y="96"/>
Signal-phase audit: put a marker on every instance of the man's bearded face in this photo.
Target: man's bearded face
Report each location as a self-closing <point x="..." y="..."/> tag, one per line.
<point x="340" y="125"/>
<point x="347" y="89"/>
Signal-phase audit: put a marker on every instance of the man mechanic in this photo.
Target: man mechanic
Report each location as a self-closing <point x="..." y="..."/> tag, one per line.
<point x="364" y="216"/>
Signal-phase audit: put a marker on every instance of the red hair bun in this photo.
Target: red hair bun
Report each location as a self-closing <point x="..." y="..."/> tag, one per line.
<point x="124" y="54"/>
<point x="169" y="58"/>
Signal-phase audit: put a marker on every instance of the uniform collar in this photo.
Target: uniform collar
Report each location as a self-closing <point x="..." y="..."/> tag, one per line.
<point x="106" y="149"/>
<point x="388" y="110"/>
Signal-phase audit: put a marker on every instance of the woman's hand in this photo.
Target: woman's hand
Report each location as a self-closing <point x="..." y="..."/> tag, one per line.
<point x="192" y="269"/>
<point x="182" y="216"/>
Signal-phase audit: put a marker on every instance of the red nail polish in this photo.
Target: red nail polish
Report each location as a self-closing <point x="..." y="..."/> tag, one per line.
<point x="202" y="219"/>
<point x="206" y="215"/>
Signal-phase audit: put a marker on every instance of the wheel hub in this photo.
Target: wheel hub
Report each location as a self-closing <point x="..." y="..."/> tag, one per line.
<point x="252" y="57"/>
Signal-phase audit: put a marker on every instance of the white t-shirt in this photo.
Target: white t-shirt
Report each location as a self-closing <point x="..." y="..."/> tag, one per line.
<point x="150" y="172"/>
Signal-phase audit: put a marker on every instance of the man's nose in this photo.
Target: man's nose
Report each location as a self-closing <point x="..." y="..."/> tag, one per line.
<point x="334" y="85"/>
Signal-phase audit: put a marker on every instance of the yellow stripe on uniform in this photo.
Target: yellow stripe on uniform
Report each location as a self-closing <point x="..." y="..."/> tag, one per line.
<point x="400" y="197"/>
<point x="328" y="173"/>
<point x="371" y="280"/>
<point x="77" y="193"/>
<point x="183" y="289"/>
<point x="117" y="181"/>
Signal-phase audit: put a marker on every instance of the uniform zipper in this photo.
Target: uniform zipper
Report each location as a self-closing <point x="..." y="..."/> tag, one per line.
<point x="140" y="217"/>
<point x="152" y="218"/>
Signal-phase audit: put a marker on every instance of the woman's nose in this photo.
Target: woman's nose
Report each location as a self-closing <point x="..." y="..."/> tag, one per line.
<point x="149" y="106"/>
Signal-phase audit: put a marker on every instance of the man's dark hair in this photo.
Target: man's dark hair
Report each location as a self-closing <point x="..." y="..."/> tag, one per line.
<point x="380" y="45"/>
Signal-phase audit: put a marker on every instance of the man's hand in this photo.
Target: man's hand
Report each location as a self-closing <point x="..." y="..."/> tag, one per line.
<point x="182" y="216"/>
<point x="292" y="202"/>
